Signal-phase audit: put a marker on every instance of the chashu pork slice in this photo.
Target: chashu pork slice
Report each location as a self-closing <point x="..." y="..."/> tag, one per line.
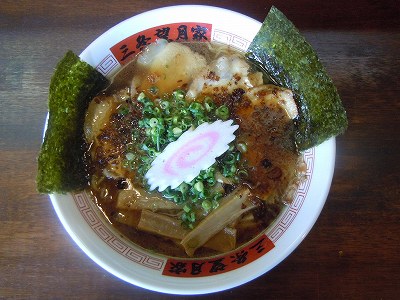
<point x="267" y="128"/>
<point x="224" y="75"/>
<point x="108" y="134"/>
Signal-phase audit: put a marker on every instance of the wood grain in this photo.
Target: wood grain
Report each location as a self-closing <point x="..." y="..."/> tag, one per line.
<point x="353" y="250"/>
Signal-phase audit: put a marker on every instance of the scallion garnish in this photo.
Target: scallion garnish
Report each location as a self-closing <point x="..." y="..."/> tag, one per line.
<point x="163" y="121"/>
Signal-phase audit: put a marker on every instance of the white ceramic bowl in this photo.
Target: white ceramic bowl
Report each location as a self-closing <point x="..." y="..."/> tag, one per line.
<point x="90" y="230"/>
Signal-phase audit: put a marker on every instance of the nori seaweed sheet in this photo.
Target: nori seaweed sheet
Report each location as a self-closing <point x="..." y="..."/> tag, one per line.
<point x="282" y="52"/>
<point x="61" y="161"/>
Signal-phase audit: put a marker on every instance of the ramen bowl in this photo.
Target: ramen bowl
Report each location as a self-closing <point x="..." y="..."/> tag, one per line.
<point x="91" y="231"/>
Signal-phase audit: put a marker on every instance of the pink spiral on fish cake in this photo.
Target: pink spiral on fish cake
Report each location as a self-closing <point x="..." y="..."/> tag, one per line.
<point x="191" y="153"/>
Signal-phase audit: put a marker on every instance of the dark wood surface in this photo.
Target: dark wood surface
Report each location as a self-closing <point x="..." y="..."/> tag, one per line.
<point x="352" y="252"/>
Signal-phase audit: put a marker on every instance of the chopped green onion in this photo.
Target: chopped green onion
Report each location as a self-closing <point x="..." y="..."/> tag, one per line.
<point x="242" y="147"/>
<point x="123" y="110"/>
<point x="179" y="94"/>
<point x="153" y="122"/>
<point x="187" y="121"/>
<point x="222" y="112"/>
<point x="164" y="105"/>
<point x="199" y="186"/>
<point x="186" y="208"/>
<point x="196" y="109"/>
<point x="242" y="173"/>
<point x="207" y="205"/>
<point x="153" y="89"/>
<point x="230" y="158"/>
<point x="130" y="156"/>
<point x="183" y="187"/>
<point x="163" y="121"/>
<point x="209" y="104"/>
<point x="177" y="131"/>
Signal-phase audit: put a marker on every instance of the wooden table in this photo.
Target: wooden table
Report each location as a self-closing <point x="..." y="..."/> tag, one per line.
<point x="352" y="252"/>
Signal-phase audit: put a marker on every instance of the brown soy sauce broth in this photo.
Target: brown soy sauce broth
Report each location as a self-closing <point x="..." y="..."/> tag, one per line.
<point x="273" y="159"/>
